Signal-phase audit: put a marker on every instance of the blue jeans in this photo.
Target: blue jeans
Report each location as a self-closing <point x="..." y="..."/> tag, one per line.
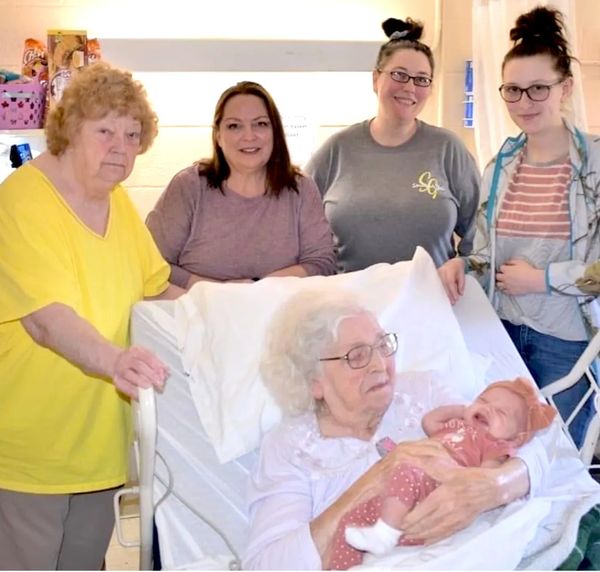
<point x="548" y="359"/>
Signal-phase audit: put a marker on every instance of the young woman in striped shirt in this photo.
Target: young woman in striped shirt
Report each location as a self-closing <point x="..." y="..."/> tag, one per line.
<point x="539" y="217"/>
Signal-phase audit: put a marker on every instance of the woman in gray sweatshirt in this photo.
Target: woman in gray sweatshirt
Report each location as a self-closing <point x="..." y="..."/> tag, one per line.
<point x="392" y="183"/>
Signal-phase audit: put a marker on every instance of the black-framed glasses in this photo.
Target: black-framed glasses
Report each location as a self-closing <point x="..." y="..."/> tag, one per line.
<point x="403" y="77"/>
<point x="360" y="356"/>
<point x="536" y="92"/>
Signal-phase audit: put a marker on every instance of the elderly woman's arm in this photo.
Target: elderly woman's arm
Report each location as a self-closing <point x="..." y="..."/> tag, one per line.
<point x="284" y="534"/>
<point x="371" y="484"/>
<point x="59" y="328"/>
<point x="289" y="530"/>
<point x="463" y="495"/>
<point x="280" y="509"/>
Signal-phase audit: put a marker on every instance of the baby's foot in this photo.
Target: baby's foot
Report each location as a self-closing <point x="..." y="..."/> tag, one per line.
<point x="378" y="539"/>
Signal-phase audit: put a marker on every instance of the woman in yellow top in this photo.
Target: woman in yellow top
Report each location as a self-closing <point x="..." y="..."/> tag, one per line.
<point x="74" y="257"/>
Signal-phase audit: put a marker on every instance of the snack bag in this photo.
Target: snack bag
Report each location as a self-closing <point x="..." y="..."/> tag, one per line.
<point x="93" y="50"/>
<point x="67" y="52"/>
<point x="35" y="60"/>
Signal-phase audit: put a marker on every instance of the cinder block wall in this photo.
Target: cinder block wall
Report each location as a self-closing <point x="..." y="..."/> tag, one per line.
<point x="324" y="101"/>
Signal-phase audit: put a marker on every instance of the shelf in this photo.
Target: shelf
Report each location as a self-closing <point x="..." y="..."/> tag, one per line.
<point x="22" y="132"/>
<point x="205" y="55"/>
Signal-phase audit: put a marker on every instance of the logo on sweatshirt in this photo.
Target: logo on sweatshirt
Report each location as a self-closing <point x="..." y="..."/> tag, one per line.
<point x="427" y="183"/>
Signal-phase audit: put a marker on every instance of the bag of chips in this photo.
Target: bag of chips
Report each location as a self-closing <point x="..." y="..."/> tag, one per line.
<point x="93" y="50"/>
<point x="35" y="60"/>
<point x="67" y="52"/>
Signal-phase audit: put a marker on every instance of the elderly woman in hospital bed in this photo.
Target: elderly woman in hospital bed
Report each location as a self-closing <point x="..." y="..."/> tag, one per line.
<point x="329" y="366"/>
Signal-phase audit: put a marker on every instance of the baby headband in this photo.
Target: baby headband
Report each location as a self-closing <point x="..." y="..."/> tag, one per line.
<point x="540" y="415"/>
<point x="398" y="35"/>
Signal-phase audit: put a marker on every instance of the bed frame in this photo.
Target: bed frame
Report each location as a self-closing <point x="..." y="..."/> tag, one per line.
<point x="146" y="424"/>
<point x="583" y="368"/>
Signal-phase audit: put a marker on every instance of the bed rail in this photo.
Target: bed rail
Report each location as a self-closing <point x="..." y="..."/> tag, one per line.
<point x="144" y="448"/>
<point x="582" y="368"/>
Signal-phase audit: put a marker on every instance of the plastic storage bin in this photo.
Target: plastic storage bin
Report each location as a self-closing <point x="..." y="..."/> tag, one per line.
<point x="22" y="105"/>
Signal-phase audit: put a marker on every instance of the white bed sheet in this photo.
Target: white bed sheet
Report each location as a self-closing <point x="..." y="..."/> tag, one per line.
<point x="217" y="491"/>
<point x="182" y="445"/>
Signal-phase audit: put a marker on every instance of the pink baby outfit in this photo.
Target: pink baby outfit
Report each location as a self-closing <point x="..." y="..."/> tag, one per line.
<point x="468" y="446"/>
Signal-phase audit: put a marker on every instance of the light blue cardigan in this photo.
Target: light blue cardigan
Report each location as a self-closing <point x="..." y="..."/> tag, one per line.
<point x="584" y="209"/>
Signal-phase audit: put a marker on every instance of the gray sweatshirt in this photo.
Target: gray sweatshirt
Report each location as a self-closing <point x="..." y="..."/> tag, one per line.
<point x="383" y="202"/>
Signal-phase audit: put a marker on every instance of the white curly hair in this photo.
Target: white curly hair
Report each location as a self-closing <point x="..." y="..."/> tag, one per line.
<point x="301" y="333"/>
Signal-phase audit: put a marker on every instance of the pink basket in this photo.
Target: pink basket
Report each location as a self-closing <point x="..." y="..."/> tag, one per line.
<point x="22" y="105"/>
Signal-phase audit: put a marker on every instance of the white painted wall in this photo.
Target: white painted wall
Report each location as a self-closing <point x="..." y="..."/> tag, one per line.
<point x="327" y="100"/>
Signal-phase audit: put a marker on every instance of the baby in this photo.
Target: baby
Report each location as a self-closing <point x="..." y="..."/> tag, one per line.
<point x="483" y="434"/>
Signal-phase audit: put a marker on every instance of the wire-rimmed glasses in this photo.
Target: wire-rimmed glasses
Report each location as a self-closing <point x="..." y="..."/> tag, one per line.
<point x="536" y="92"/>
<point x="360" y="356"/>
<point x="403" y="77"/>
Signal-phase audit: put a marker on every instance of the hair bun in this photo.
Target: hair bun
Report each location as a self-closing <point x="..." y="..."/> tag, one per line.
<point x="540" y="25"/>
<point x="401" y="30"/>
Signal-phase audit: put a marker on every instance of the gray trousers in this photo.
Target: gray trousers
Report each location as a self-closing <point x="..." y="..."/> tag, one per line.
<point x="55" y="532"/>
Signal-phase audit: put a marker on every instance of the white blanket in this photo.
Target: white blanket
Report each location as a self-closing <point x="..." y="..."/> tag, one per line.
<point x="495" y="541"/>
<point x="221" y="330"/>
<point x="204" y="483"/>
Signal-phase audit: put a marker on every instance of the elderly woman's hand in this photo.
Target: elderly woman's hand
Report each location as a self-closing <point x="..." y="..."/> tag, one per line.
<point x="464" y="493"/>
<point x="61" y="329"/>
<point x="137" y="367"/>
<point x="421" y="452"/>
<point x="425" y="453"/>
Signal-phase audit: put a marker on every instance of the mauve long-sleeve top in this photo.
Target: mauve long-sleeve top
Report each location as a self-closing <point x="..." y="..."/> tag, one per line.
<point x="226" y="236"/>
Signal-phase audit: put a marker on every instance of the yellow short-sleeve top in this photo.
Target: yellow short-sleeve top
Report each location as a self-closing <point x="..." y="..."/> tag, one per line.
<point x="62" y="430"/>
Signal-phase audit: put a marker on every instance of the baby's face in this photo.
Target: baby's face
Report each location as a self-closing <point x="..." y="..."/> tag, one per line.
<point x="499" y="411"/>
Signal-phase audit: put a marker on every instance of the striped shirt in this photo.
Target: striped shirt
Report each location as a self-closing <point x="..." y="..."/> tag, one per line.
<point x="534" y="225"/>
<point x="536" y="202"/>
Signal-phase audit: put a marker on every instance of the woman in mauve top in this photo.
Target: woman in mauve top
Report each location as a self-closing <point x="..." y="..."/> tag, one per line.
<point x="247" y="212"/>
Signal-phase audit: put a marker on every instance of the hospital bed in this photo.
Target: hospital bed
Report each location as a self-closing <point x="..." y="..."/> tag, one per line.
<point x="198" y="502"/>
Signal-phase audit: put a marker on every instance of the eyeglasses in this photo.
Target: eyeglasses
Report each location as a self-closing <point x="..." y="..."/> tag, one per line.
<point x="403" y="77"/>
<point x="360" y="356"/>
<point x="535" y="92"/>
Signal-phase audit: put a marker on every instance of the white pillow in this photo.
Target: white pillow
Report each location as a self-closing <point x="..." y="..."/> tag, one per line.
<point x="221" y="330"/>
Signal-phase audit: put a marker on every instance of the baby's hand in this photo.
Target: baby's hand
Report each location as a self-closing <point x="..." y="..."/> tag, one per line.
<point x="385" y="446"/>
<point x="434" y="420"/>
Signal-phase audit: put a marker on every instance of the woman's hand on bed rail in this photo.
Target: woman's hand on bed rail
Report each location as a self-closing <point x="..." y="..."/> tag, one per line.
<point x="464" y="493"/>
<point x="452" y="275"/>
<point x="137" y="367"/>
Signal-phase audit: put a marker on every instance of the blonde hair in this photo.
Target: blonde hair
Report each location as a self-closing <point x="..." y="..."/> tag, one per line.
<point x="91" y="94"/>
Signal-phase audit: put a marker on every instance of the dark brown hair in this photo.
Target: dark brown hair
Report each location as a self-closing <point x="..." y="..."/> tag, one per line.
<point x="541" y="32"/>
<point x="403" y="36"/>
<point x="281" y="173"/>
